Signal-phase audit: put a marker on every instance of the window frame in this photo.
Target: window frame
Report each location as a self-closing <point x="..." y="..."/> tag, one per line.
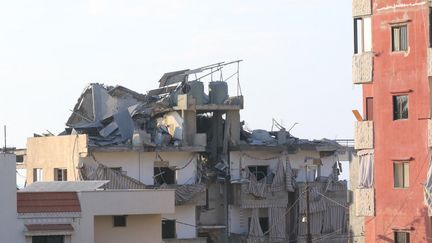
<point x="63" y="174"/>
<point x="159" y="178"/>
<point x="399" y="115"/>
<point x="36" y="174"/>
<point x="256" y="170"/>
<point x="406" y="233"/>
<point x="399" y="27"/>
<point x="360" y="42"/>
<point x="405" y="173"/>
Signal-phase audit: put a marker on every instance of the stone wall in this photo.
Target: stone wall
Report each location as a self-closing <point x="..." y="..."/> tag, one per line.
<point x="364" y="135"/>
<point x="361" y="7"/>
<point x="362" y="68"/>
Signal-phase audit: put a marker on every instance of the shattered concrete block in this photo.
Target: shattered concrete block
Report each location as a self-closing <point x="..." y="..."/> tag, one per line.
<point x="365" y="201"/>
<point x="362" y="68"/>
<point x="364" y="135"/>
<point x="361" y="7"/>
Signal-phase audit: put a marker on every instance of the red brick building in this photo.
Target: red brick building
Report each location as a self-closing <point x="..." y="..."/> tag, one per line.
<point x="392" y="43"/>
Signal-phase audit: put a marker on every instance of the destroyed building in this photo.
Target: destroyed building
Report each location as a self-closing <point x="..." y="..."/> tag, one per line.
<point x="231" y="184"/>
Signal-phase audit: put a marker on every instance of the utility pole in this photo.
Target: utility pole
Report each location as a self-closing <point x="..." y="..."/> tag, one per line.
<point x="308" y="235"/>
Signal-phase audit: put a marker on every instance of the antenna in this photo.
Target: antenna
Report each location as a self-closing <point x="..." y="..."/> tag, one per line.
<point x="4" y="131"/>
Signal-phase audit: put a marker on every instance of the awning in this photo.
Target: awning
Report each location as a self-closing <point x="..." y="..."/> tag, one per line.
<point x="48" y="229"/>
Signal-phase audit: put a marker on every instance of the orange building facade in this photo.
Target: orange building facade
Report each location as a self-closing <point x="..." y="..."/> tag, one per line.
<point x="392" y="47"/>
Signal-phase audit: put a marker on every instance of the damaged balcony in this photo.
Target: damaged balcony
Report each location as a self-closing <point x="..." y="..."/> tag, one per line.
<point x="364" y="135"/>
<point x="362" y="68"/>
<point x="361" y="7"/>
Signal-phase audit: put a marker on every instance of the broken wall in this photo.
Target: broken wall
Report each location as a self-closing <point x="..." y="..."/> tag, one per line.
<point x="139" y="165"/>
<point x="297" y="162"/>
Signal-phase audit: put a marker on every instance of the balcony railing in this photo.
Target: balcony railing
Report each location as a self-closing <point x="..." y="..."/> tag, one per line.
<point x="364" y="135"/>
<point x="362" y="68"/>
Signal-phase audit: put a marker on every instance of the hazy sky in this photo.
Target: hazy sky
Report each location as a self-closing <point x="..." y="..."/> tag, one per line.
<point x="297" y="57"/>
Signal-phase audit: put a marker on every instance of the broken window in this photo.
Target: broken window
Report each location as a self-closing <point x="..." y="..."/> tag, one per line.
<point x="48" y="239"/>
<point x="119" y="221"/>
<point x="164" y="175"/>
<point x="260" y="172"/>
<point x="399" y="38"/>
<point x="362" y="35"/>
<point x="401" y="174"/>
<point x="60" y="174"/>
<point x="168" y="229"/>
<point x="400" y="107"/>
<point x="401" y="237"/>
<point x="37" y="174"/>
<point x="369" y="109"/>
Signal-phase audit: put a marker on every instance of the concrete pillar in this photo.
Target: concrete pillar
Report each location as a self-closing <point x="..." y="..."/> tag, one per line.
<point x="233" y="118"/>
<point x="189" y="127"/>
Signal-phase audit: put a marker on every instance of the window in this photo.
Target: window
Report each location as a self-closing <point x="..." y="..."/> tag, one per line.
<point x="168" y="229"/>
<point x="362" y="35"/>
<point x="119" y="221"/>
<point x="369" y="109"/>
<point x="401" y="237"/>
<point x="264" y="224"/>
<point x="19" y="159"/>
<point x="164" y="175"/>
<point x="400" y="107"/>
<point x="37" y="174"/>
<point x="401" y="174"/>
<point x="260" y="172"/>
<point x="399" y="38"/>
<point x="48" y="239"/>
<point x="60" y="174"/>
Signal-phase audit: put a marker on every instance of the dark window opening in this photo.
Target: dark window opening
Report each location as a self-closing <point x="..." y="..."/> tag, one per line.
<point x="168" y="229"/>
<point x="399" y="38"/>
<point x="60" y="174"/>
<point x="164" y="175"/>
<point x="260" y="172"/>
<point x="400" y="107"/>
<point x="430" y="27"/>
<point x="401" y="237"/>
<point x="401" y="174"/>
<point x="20" y="158"/>
<point x="119" y="221"/>
<point x="48" y="239"/>
<point x="369" y="109"/>
<point x="264" y="224"/>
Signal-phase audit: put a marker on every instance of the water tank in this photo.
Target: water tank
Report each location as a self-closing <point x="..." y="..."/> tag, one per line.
<point x="218" y="92"/>
<point x="197" y="91"/>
